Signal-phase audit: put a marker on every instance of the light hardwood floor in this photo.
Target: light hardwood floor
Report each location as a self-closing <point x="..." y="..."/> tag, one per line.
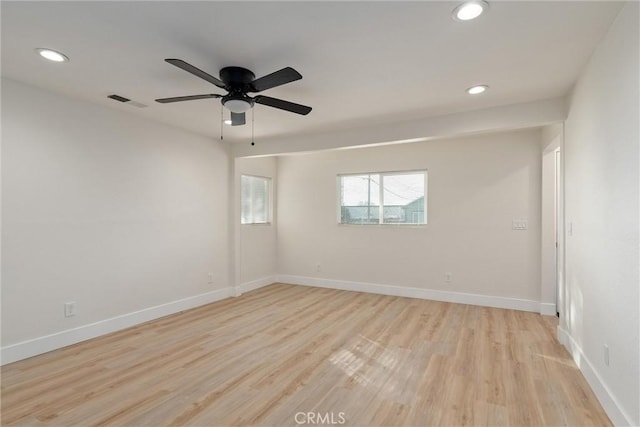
<point x="262" y="358"/>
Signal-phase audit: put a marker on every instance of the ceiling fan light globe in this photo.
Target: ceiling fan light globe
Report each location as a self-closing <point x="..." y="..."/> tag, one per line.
<point x="237" y="105"/>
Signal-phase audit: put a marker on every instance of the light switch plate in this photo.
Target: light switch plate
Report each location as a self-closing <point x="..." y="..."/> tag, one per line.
<point x="69" y="309"/>
<point x="519" y="224"/>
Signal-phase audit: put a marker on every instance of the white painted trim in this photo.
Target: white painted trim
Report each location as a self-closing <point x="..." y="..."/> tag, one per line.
<point x="548" y="309"/>
<point x="33" y="347"/>
<point x="608" y="401"/>
<point x="254" y="284"/>
<point x="403" y="291"/>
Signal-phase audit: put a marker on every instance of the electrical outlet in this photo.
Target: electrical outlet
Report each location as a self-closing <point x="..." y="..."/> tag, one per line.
<point x="69" y="309"/>
<point x="448" y="277"/>
<point x="318" y="267"/>
<point x="210" y="278"/>
<point x="605" y="354"/>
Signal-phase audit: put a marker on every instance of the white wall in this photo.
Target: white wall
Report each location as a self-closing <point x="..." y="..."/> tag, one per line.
<point x="477" y="186"/>
<point x="256" y="253"/>
<point x="601" y="147"/>
<point x="106" y="209"/>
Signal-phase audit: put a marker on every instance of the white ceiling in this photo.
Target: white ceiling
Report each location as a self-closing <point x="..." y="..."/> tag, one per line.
<point x="362" y="62"/>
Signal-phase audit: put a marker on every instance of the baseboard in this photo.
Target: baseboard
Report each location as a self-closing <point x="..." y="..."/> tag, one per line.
<point x="403" y="291"/>
<point x="608" y="401"/>
<point x="254" y="284"/>
<point x="33" y="347"/>
<point x="548" y="309"/>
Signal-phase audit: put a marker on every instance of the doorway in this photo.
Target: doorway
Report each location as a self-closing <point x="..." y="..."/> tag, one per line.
<point x="552" y="259"/>
<point x="557" y="206"/>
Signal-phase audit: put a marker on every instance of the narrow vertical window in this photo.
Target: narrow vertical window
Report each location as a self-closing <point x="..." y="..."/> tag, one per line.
<point x="255" y="198"/>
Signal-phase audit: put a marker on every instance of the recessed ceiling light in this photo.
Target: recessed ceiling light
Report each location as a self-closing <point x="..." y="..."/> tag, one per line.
<point x="52" y="55"/>
<point x="475" y="90"/>
<point x="228" y="122"/>
<point x="469" y="10"/>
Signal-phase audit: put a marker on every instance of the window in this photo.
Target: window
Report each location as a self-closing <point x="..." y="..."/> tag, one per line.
<point x="383" y="198"/>
<point x="255" y="199"/>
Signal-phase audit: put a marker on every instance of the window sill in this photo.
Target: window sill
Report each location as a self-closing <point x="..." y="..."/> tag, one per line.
<point x="340" y="224"/>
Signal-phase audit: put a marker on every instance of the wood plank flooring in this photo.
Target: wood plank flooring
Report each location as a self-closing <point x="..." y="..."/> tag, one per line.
<point x="289" y="355"/>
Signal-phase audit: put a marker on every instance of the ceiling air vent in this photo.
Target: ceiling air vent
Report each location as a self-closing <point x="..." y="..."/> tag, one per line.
<point x="119" y="98"/>
<point x="126" y="100"/>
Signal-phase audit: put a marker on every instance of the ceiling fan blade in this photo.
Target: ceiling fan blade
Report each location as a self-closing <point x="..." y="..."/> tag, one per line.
<point x="278" y="78"/>
<point x="187" y="98"/>
<point x="283" y="105"/>
<point x="195" y="71"/>
<point x="237" y="119"/>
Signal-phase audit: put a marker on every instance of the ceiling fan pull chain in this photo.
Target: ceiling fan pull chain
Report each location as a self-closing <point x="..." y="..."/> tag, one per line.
<point x="221" y="122"/>
<point x="253" y="118"/>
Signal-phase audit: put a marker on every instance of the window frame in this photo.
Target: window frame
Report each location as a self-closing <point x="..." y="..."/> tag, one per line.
<point x="269" y="210"/>
<point x="380" y="207"/>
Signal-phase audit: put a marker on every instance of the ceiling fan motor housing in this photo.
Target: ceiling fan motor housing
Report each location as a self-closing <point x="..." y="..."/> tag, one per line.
<point x="237" y="77"/>
<point x="237" y="80"/>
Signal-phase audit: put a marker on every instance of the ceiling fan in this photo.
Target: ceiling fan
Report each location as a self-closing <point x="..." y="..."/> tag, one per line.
<point x="238" y="82"/>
